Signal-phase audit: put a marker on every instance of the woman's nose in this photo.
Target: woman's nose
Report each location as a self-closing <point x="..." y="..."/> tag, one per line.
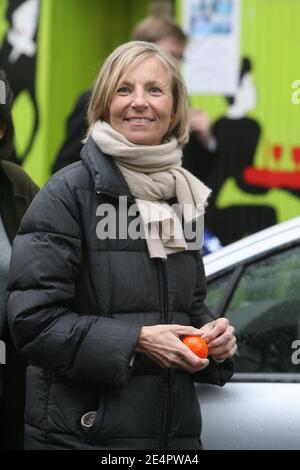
<point x="139" y="100"/>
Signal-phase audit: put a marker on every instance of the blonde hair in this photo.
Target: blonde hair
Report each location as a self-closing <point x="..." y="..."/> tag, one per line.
<point x="125" y="58"/>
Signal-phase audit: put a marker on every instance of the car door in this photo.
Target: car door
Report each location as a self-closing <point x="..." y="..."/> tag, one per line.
<point x="260" y="407"/>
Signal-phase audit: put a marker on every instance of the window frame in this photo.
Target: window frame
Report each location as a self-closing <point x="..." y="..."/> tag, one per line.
<point x="266" y="377"/>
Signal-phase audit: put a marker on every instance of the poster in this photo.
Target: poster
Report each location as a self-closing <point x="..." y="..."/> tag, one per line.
<point x="18" y="56"/>
<point x="212" y="56"/>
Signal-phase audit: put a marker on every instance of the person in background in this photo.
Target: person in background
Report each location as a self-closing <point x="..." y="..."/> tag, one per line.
<point x="16" y="193"/>
<point x="99" y="313"/>
<point x="199" y="154"/>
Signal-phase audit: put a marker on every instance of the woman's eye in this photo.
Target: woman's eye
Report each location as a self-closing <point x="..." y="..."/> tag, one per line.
<point x="123" y="90"/>
<point x="155" y="89"/>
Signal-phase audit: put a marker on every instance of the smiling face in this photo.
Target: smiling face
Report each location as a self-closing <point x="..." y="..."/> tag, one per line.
<point x="142" y="105"/>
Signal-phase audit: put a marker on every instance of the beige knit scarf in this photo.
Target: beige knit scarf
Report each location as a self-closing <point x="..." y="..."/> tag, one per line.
<point x="154" y="175"/>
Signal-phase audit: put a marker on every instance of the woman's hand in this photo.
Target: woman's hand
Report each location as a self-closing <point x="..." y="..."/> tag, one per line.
<point x="220" y="338"/>
<point x="162" y="344"/>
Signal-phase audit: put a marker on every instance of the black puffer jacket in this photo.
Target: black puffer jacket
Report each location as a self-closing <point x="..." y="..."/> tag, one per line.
<point x="76" y="308"/>
<point x="16" y="193"/>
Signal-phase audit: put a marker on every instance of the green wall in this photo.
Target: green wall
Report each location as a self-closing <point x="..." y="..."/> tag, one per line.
<point x="3" y="22"/>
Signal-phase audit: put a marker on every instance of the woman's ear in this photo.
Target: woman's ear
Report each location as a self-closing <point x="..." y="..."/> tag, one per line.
<point x="173" y="115"/>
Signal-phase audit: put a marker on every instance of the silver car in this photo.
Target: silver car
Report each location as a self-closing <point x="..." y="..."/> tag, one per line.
<point x="256" y="281"/>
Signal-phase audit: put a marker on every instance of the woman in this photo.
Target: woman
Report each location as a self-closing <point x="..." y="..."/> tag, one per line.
<point x="99" y="311"/>
<point x="16" y="192"/>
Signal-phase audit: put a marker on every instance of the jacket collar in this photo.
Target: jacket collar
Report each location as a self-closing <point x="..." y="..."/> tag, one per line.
<point x="107" y="176"/>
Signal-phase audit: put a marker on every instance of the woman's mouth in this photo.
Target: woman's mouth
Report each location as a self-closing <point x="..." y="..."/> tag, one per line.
<point x="139" y="120"/>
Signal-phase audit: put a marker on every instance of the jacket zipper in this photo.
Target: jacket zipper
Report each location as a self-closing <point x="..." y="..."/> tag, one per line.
<point x="166" y="372"/>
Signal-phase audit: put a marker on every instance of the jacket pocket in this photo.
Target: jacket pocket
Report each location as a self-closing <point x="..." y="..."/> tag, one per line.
<point x="68" y="401"/>
<point x="91" y="422"/>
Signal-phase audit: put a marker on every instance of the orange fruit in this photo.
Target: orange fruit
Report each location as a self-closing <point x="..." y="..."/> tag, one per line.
<point x="197" y="345"/>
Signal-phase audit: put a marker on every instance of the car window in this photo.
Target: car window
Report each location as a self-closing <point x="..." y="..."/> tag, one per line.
<point x="216" y="291"/>
<point x="265" y="311"/>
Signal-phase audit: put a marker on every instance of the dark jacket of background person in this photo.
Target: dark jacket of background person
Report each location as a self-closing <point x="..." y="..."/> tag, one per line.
<point x="66" y="312"/>
<point x="16" y="193"/>
<point x="196" y="157"/>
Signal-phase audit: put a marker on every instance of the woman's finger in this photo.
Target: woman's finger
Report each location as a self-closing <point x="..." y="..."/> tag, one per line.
<point x="224" y="351"/>
<point x="214" y="329"/>
<point x="223" y="339"/>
